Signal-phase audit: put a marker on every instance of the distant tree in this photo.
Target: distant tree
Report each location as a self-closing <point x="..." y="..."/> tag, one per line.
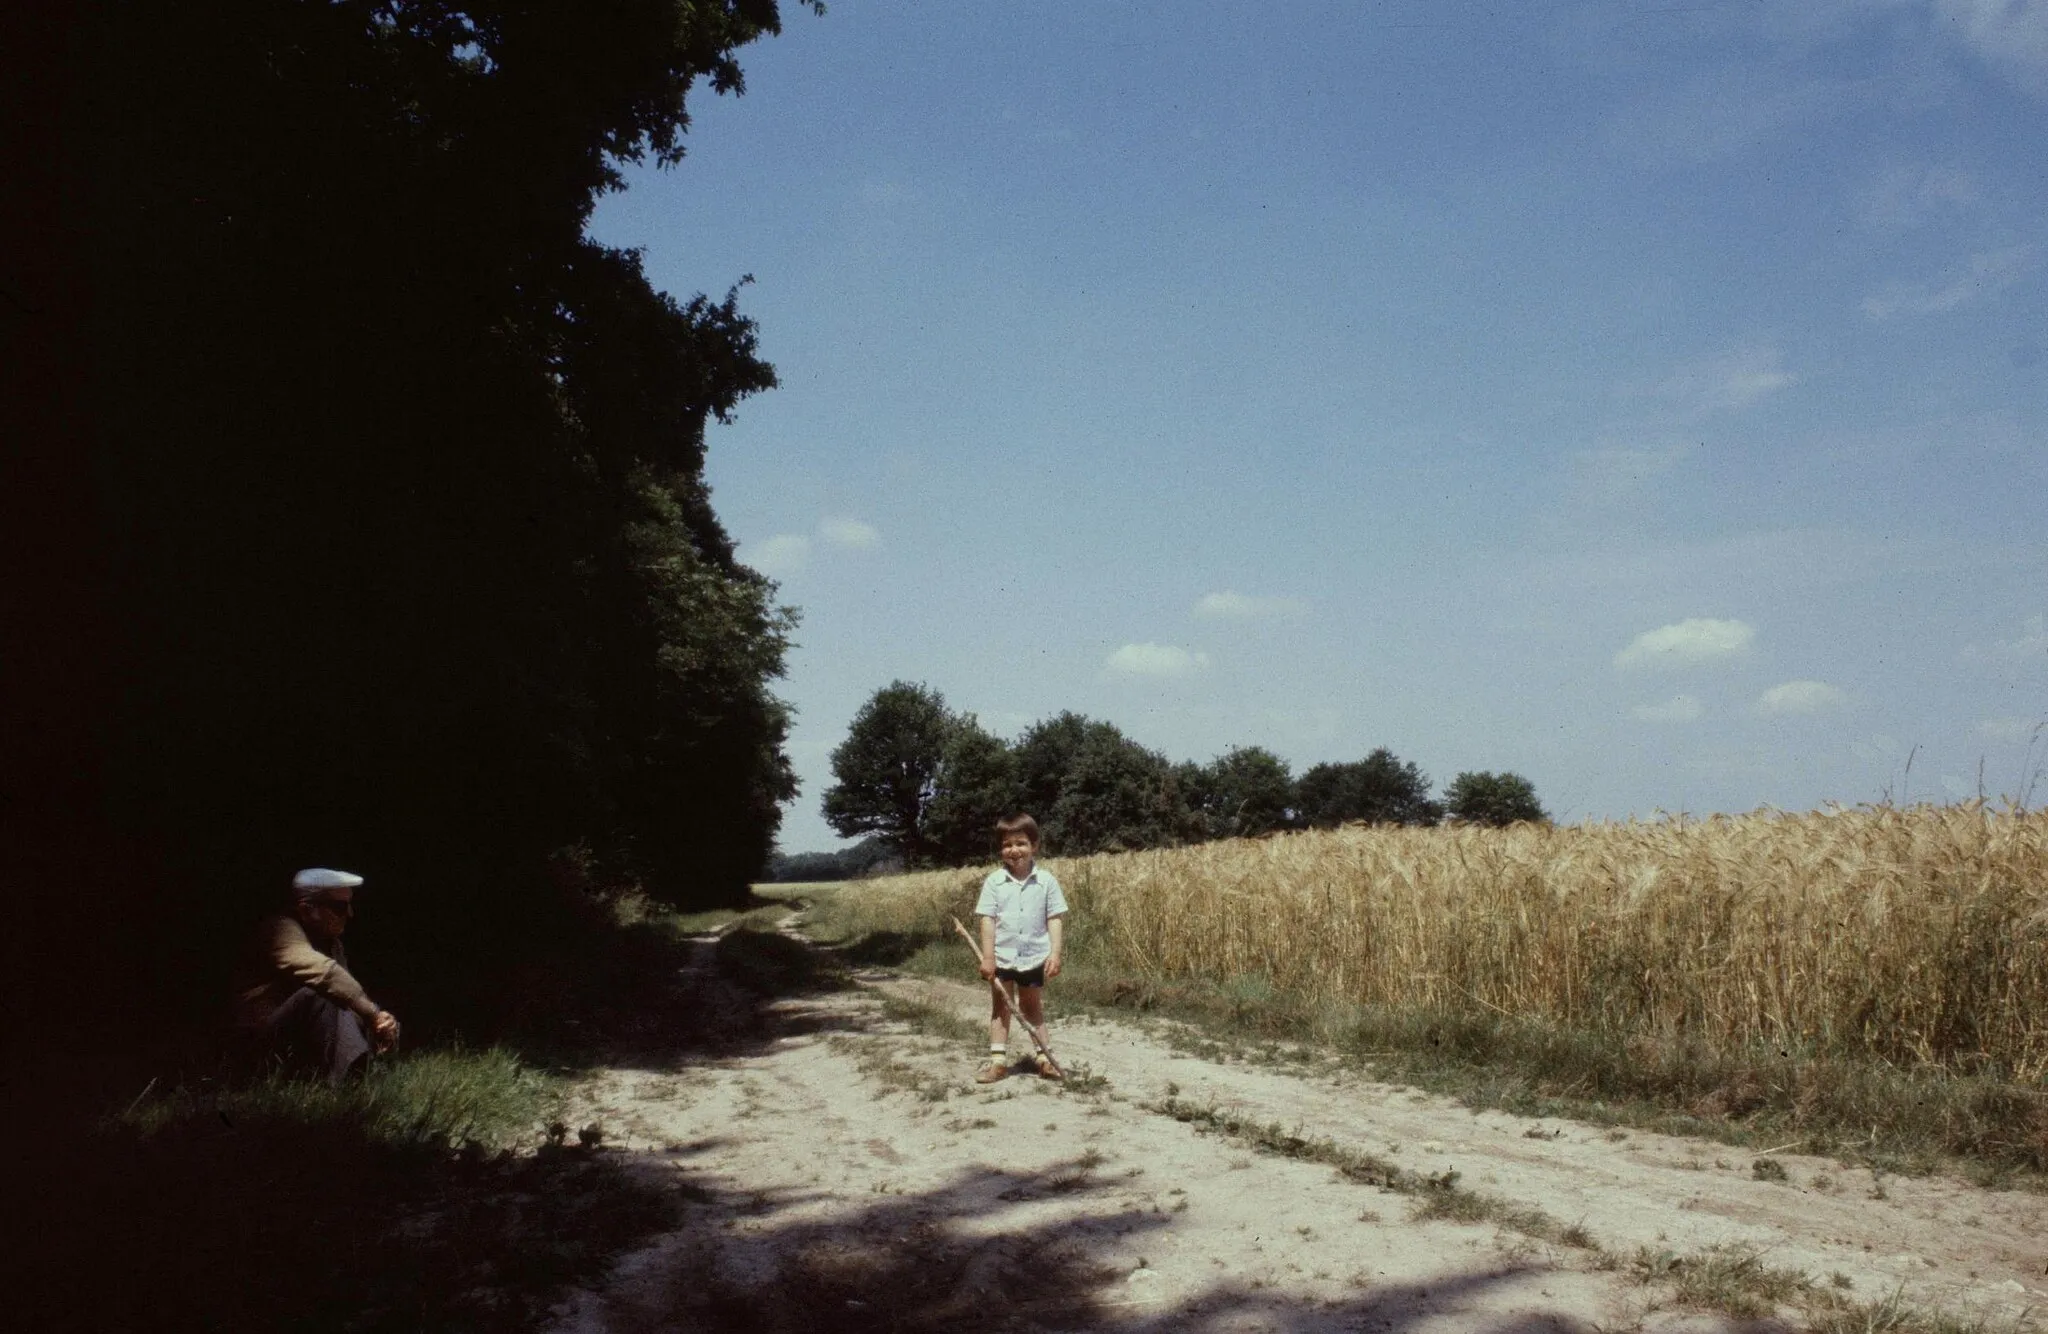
<point x="1191" y="797"/>
<point x="1249" y="792"/>
<point x="977" y="785"/>
<point x="1379" y="789"/>
<point x="873" y="855"/>
<point x="1046" y="754"/>
<point x="1494" y="799"/>
<point x="1092" y="788"/>
<point x="888" y="768"/>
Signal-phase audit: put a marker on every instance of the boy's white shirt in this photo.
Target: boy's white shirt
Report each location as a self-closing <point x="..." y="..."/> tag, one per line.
<point x="1021" y="909"/>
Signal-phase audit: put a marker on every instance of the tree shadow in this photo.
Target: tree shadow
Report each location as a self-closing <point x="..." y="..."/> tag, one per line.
<point x="980" y="1252"/>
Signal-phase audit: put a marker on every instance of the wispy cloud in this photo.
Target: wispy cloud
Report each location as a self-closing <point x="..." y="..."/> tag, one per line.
<point x="1733" y="380"/>
<point x="1229" y="606"/>
<point x="1618" y="475"/>
<point x="2011" y="729"/>
<point x="1677" y="709"/>
<point x="1722" y="113"/>
<point x="1907" y="195"/>
<point x="1688" y="643"/>
<point x="1156" y="660"/>
<point x="1984" y="275"/>
<point x="782" y="554"/>
<point x="2011" y="36"/>
<point x="849" y="533"/>
<point x="2032" y="642"/>
<point x="1800" y="697"/>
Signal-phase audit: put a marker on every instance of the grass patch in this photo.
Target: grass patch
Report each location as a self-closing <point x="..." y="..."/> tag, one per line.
<point x="768" y="963"/>
<point x="1436" y="1195"/>
<point x="1736" y="1281"/>
<point x="874" y="1061"/>
<point x="396" y="1202"/>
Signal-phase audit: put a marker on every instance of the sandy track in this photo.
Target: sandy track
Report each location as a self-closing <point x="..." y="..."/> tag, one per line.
<point x="845" y="1173"/>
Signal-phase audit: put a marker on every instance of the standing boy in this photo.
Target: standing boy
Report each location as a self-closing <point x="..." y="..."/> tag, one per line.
<point x="1023" y="924"/>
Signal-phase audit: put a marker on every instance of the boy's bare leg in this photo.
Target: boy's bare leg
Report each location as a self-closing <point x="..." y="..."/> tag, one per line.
<point x="999" y="1018"/>
<point x="1031" y="1005"/>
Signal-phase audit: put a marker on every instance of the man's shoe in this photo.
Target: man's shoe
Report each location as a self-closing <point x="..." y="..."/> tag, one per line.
<point x="990" y="1073"/>
<point x="1046" y="1069"/>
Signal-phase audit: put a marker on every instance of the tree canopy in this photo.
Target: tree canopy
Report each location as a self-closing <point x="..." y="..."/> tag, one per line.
<point x="1379" y="789"/>
<point x="1493" y="799"/>
<point x="887" y="769"/>
<point x="395" y="476"/>
<point x="933" y="783"/>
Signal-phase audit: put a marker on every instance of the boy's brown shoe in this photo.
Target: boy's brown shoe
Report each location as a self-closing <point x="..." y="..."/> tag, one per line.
<point x="1046" y="1069"/>
<point x="990" y="1073"/>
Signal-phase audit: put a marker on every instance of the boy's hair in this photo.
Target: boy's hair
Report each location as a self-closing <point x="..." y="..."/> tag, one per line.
<point x="1017" y="824"/>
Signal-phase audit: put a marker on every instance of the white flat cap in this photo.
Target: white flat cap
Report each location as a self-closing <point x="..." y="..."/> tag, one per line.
<point x="318" y="880"/>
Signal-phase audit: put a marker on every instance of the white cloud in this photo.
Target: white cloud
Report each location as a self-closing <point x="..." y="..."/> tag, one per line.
<point x="1156" y="660"/>
<point x="1229" y="606"/>
<point x="782" y="554"/>
<point x="1985" y="275"/>
<point x="849" y="533"/>
<point x="2011" y="729"/>
<point x="1677" y="709"/>
<point x="1731" y="381"/>
<point x="2032" y="643"/>
<point x="2009" y="35"/>
<point x="1795" y="697"/>
<point x="1688" y="643"/>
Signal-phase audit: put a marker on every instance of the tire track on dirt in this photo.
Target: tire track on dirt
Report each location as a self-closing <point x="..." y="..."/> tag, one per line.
<point x="847" y="1171"/>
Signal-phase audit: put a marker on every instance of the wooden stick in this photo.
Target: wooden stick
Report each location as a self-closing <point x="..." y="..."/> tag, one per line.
<point x="1037" y="1038"/>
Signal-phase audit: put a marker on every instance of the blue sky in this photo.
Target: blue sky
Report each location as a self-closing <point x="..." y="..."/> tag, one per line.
<point x="1651" y="399"/>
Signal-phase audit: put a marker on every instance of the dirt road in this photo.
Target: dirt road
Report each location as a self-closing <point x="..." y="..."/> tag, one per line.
<point x="844" y="1173"/>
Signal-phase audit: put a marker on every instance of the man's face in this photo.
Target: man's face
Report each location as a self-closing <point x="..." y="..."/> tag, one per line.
<point x="330" y="912"/>
<point x="1017" y="854"/>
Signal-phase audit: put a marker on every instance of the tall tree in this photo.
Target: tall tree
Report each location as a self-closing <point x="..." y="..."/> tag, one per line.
<point x="1115" y="795"/>
<point x="399" y="475"/>
<point x="1249" y="792"/>
<point x="977" y="786"/>
<point x="887" y="770"/>
<point x="1494" y="799"/>
<point x="1380" y="789"/>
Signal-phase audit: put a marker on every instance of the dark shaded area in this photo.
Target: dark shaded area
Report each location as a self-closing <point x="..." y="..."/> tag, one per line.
<point x="366" y="515"/>
<point x="224" y="1222"/>
<point x="227" y="1226"/>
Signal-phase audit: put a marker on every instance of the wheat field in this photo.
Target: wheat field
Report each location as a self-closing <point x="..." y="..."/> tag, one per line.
<point x="1914" y="935"/>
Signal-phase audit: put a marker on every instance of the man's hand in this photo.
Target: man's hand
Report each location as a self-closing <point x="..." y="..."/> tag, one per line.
<point x="988" y="968"/>
<point x="384" y="1031"/>
<point x="1052" y="965"/>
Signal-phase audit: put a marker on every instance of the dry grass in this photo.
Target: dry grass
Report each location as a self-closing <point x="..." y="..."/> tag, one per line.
<point x="1875" y="980"/>
<point x="1918" y="936"/>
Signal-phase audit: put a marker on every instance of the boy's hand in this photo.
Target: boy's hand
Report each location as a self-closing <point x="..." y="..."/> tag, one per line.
<point x="988" y="969"/>
<point x="1052" y="965"/>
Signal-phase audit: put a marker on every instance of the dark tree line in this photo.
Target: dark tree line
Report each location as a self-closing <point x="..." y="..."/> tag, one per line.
<point x="931" y="783"/>
<point x="388" y="481"/>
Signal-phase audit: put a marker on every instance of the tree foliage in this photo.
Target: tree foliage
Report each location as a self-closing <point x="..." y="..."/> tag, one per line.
<point x="887" y="770"/>
<point x="397" y="476"/>
<point x="1493" y="799"/>
<point x="1380" y="789"/>
<point x="1248" y="791"/>
<point x="978" y="785"/>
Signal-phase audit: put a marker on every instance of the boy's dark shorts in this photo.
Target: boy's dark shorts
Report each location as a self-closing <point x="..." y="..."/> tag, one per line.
<point x="1028" y="977"/>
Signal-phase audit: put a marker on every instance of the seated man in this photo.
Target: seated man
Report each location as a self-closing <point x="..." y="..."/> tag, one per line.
<point x="295" y="999"/>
